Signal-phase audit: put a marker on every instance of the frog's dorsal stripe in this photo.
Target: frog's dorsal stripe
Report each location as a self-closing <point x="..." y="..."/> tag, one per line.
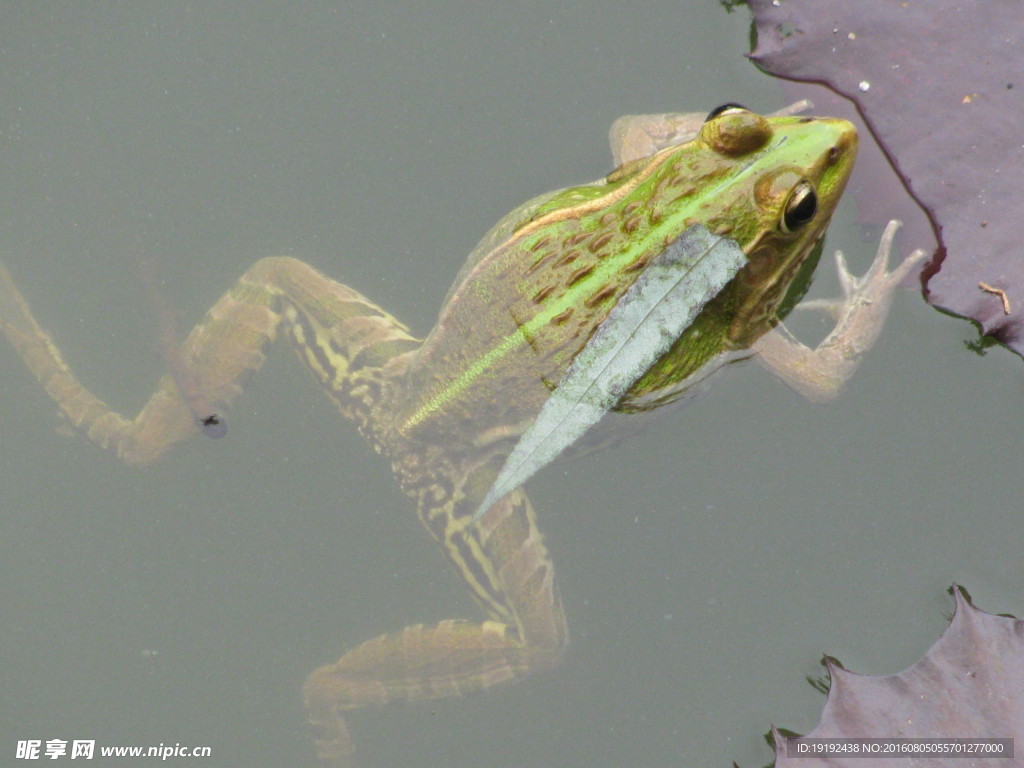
<point x="649" y="317"/>
<point x="607" y="271"/>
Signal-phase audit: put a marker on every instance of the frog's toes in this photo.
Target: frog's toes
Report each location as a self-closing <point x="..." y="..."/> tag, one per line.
<point x="878" y="279"/>
<point x="819" y="374"/>
<point x="875" y="285"/>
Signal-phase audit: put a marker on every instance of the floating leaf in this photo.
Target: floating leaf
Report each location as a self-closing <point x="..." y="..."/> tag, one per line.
<point x="970" y="684"/>
<point x="939" y="85"/>
<point x="649" y="317"/>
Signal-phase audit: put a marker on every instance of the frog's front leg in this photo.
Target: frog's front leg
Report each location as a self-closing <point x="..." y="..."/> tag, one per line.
<point x="504" y="561"/>
<point x="337" y="333"/>
<point x="820" y="374"/>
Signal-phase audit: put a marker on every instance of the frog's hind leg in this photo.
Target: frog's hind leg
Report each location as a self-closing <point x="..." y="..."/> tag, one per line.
<point x="507" y="565"/>
<point x="339" y="334"/>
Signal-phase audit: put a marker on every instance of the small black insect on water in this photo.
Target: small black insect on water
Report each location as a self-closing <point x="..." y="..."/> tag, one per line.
<point x="214" y="426"/>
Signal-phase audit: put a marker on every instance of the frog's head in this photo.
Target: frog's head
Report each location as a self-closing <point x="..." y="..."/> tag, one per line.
<point x="771" y="184"/>
<point x="777" y="207"/>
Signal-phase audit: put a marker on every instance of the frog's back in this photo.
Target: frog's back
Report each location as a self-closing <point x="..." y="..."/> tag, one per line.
<point x="534" y="291"/>
<point x="513" y="321"/>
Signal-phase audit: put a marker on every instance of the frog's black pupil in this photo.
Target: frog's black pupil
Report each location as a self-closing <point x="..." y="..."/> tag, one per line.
<point x="801" y="208"/>
<point x="724" y="108"/>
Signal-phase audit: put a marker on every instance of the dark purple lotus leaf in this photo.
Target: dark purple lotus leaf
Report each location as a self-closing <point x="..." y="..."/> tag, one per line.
<point x="970" y="684"/>
<point x="940" y="85"/>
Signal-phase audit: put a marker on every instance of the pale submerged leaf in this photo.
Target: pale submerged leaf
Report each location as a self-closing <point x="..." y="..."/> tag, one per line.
<point x="649" y="317"/>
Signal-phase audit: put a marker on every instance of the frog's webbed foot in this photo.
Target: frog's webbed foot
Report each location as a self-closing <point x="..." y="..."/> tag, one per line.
<point x="874" y="287"/>
<point x="820" y="374"/>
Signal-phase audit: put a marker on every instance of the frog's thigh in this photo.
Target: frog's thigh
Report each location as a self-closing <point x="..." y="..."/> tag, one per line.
<point x="452" y="657"/>
<point x="336" y="331"/>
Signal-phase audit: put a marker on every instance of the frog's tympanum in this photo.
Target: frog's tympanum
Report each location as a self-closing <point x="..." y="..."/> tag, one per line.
<point x="448" y="410"/>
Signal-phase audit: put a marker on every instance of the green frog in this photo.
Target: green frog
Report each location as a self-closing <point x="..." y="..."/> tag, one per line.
<point x="447" y="411"/>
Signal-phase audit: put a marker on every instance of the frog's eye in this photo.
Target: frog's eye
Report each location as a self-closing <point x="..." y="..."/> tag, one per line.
<point x="731" y="107"/>
<point x="732" y="130"/>
<point x="800" y="208"/>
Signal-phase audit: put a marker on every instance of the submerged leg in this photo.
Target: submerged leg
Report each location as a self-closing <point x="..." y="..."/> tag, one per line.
<point x="507" y="565"/>
<point x="819" y="374"/>
<point x="338" y="334"/>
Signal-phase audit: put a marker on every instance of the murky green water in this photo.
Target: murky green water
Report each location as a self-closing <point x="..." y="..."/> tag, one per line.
<point x="705" y="566"/>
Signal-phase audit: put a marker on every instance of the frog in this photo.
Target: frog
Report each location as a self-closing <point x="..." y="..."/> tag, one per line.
<point x="447" y="410"/>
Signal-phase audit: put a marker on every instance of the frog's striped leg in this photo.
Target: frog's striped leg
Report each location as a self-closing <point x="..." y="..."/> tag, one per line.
<point x="505" y="562"/>
<point x="341" y="337"/>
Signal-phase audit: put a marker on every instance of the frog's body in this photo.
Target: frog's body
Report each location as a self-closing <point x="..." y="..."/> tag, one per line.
<point x="448" y="411"/>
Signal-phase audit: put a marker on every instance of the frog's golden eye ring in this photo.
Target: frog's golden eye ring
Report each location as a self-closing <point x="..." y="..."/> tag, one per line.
<point x="728" y="107"/>
<point x="800" y="208"/>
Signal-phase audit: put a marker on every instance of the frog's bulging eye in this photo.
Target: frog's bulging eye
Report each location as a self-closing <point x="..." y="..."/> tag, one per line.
<point x="800" y="208"/>
<point x="733" y="131"/>
<point x="730" y="107"/>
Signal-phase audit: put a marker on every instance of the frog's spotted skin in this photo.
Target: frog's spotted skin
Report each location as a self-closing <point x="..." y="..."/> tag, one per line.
<point x="447" y="412"/>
